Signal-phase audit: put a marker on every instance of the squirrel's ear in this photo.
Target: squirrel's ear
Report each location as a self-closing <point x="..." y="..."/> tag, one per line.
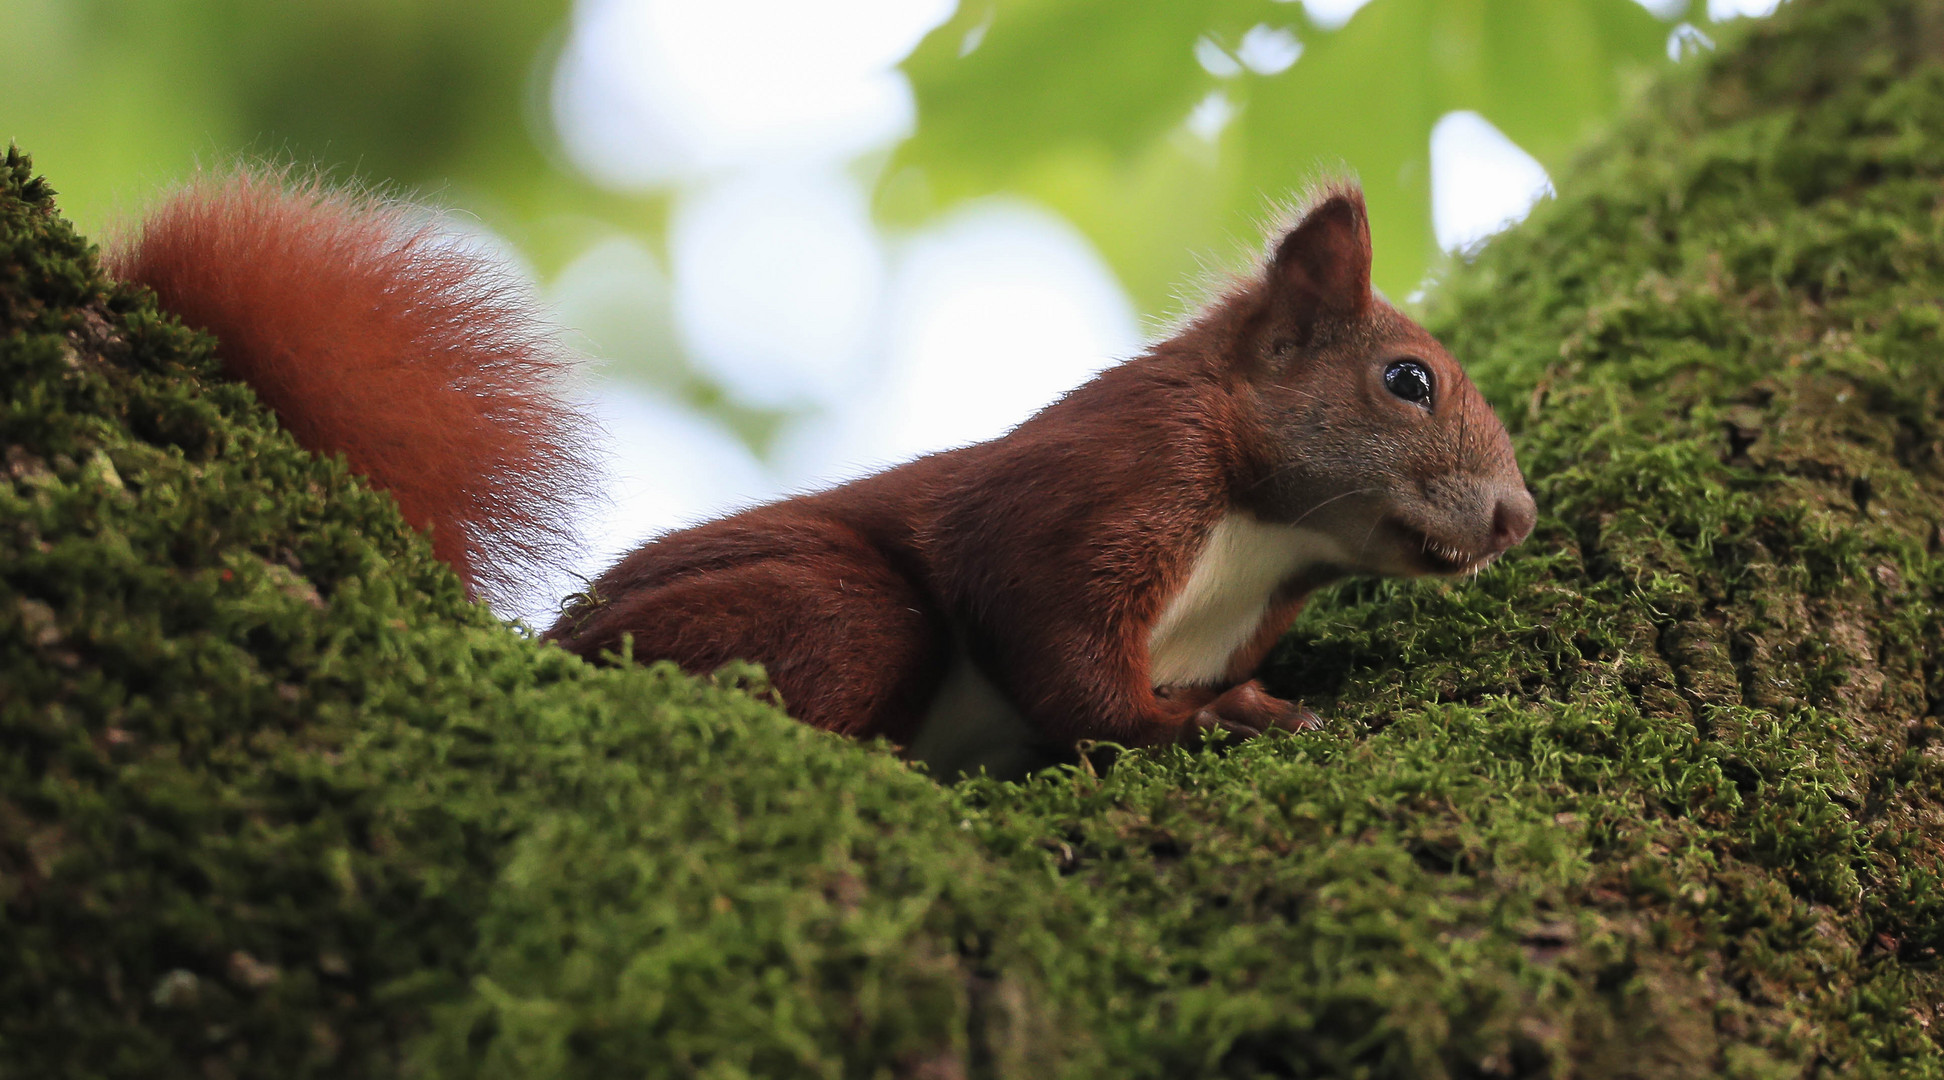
<point x="1321" y="269"/>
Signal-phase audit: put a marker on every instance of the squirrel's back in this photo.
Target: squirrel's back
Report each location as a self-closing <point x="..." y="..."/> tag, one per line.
<point x="374" y="335"/>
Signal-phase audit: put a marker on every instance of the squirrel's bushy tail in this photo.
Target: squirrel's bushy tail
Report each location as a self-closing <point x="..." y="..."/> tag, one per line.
<point x="373" y="334"/>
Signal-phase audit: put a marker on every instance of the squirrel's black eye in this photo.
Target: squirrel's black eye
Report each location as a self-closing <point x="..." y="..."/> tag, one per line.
<point x="1409" y="380"/>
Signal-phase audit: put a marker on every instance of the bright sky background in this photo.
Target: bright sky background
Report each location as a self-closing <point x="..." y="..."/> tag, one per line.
<point x="756" y="113"/>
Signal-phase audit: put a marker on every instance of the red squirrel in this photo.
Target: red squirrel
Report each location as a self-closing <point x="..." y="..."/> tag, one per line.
<point x="1114" y="568"/>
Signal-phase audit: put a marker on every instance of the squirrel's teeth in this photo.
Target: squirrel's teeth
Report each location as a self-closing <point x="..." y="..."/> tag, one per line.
<point x="1452" y="556"/>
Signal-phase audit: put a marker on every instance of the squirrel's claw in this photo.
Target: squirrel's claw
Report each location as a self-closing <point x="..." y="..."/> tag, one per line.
<point x="1246" y="711"/>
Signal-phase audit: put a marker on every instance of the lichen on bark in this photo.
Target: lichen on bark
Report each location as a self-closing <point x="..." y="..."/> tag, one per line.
<point x="1658" y="796"/>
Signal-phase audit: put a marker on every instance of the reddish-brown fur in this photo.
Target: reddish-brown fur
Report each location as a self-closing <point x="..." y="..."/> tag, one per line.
<point x="1049" y="554"/>
<point x="372" y="335"/>
<point x="1045" y="558"/>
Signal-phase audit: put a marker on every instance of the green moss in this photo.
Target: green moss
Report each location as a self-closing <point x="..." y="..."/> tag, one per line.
<point x="1659" y="796"/>
<point x="275" y="800"/>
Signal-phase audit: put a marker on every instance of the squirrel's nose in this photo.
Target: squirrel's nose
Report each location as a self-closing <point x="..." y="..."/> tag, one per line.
<point x="1512" y="520"/>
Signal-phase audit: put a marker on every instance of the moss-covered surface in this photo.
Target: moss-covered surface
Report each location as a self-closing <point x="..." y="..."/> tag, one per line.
<point x="276" y="801"/>
<point x="1659" y="797"/>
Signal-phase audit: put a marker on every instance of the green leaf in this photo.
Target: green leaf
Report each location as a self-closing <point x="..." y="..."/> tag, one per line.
<point x="1082" y="105"/>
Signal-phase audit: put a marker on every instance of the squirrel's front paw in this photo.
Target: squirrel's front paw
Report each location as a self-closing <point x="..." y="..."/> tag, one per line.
<point x="1246" y="711"/>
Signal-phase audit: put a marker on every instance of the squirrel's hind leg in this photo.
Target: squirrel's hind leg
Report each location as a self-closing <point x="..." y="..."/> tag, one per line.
<point x="849" y="642"/>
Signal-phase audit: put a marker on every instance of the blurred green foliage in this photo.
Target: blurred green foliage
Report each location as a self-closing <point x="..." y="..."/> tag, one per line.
<point x="441" y="98"/>
<point x="1078" y="104"/>
<point x="1082" y="104"/>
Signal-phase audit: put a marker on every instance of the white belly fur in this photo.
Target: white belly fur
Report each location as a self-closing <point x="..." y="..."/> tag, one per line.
<point x="1220" y="606"/>
<point x="971" y="726"/>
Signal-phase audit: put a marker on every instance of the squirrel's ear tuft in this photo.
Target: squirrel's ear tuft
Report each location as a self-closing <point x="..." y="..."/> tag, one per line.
<point x="1321" y="268"/>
